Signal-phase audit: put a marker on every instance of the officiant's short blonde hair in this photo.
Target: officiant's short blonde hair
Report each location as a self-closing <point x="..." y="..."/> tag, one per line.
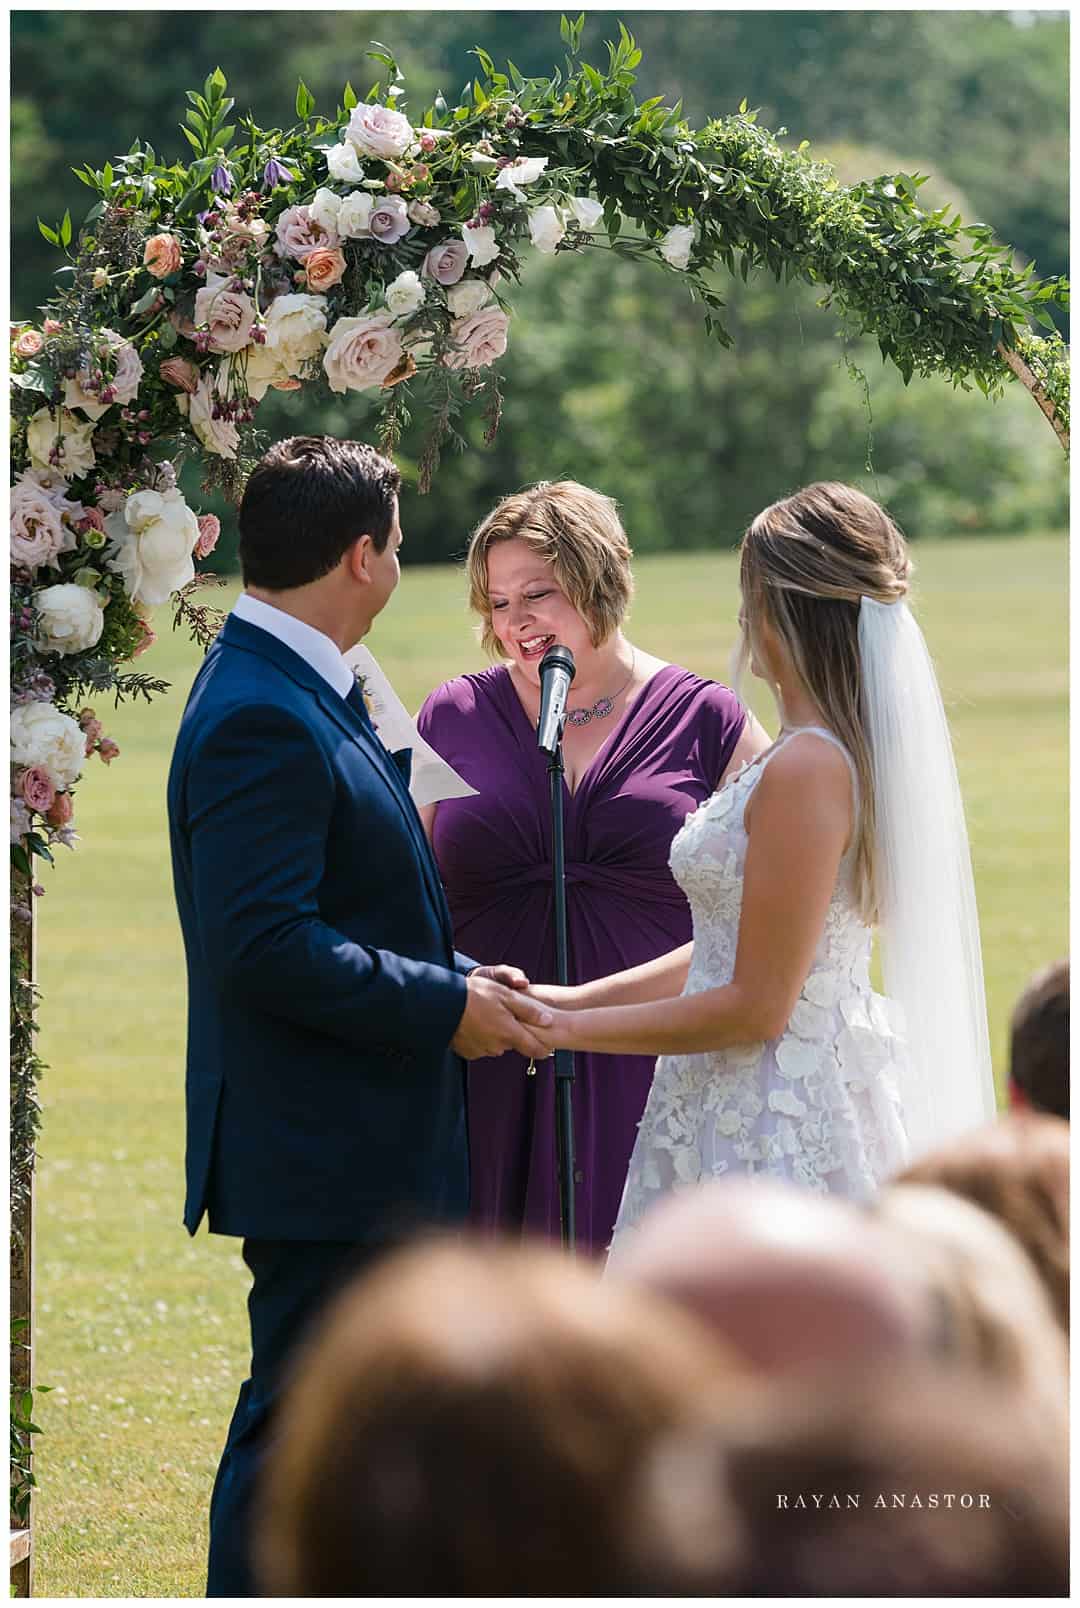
<point x="579" y="533"/>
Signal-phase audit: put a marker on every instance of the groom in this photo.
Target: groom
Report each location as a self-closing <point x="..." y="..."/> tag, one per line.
<point x="328" y="1013"/>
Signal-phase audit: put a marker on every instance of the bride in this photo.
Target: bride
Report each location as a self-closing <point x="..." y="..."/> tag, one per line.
<point x="775" y="1054"/>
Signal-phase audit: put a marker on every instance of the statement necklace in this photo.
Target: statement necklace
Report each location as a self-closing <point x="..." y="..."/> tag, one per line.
<point x="603" y="706"/>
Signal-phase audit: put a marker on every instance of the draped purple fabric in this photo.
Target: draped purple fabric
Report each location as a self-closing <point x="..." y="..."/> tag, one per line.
<point x="660" y="761"/>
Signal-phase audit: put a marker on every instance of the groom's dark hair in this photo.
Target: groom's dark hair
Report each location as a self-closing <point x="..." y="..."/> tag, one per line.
<point x="306" y="501"/>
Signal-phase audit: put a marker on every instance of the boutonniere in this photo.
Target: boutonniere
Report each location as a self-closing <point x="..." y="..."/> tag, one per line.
<point x="369" y="701"/>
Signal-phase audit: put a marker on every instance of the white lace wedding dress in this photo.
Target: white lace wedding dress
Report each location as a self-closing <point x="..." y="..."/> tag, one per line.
<point x="819" y="1105"/>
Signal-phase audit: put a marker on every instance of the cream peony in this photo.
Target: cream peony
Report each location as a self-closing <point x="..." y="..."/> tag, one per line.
<point x="343" y="164"/>
<point x="152" y="543"/>
<point x="38" y="531"/>
<point x="379" y="131"/>
<point x="71" y="619"/>
<point x="217" y="435"/>
<point x="405" y="294"/>
<point x="295" y="330"/>
<point x="677" y="244"/>
<point x="75" y="455"/>
<point x="43" y="736"/>
<point x="481" y="338"/>
<point x="480" y="244"/>
<point x="546" y="229"/>
<point x="264" y="366"/>
<point x="354" y="215"/>
<point x="468" y="297"/>
<point x="363" y="352"/>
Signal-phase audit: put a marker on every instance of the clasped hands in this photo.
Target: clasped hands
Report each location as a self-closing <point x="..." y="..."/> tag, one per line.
<point x="502" y="1013"/>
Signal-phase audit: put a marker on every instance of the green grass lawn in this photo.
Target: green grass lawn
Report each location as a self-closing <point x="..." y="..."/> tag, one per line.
<point x="140" y="1330"/>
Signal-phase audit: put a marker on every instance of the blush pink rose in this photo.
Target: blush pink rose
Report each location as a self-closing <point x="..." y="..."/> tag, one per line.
<point x="39" y="533"/>
<point x="108" y="749"/>
<point x="52" y="326"/>
<point x="92" y="519"/>
<point x="162" y="255"/>
<point x="61" y="811"/>
<point x="362" y="352"/>
<point x="389" y="220"/>
<point x="228" y="313"/>
<point x="481" y="338"/>
<point x="179" y="373"/>
<point x="324" y="267"/>
<point x="447" y="262"/>
<point x="209" y="531"/>
<point x="37" y="788"/>
<point x="29" y="343"/>
<point x="298" y="234"/>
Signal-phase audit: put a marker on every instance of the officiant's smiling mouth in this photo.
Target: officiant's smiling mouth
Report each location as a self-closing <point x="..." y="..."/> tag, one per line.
<point x="535" y="647"/>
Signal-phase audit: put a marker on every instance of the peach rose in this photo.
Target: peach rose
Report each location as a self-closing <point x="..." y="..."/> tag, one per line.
<point x="162" y="255"/>
<point x="480" y="339"/>
<point x="324" y="267"/>
<point x="108" y="750"/>
<point x="146" y="640"/>
<point x="61" y="810"/>
<point x="29" y="343"/>
<point x="209" y="531"/>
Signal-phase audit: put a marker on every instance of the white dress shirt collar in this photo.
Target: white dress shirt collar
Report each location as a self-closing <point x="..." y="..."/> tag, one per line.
<point x="314" y="647"/>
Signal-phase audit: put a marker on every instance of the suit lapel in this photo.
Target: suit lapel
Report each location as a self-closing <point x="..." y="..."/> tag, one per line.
<point x="241" y="634"/>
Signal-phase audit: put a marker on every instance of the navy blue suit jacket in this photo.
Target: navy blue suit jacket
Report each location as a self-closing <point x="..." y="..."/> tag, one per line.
<point x="323" y="988"/>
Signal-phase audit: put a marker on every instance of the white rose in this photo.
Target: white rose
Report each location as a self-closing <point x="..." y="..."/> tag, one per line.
<point x="379" y="131"/>
<point x="354" y="215"/>
<point x="522" y="170"/>
<point x="125" y="382"/>
<point x="587" y="211"/>
<point x="152" y="543"/>
<point x="217" y="435"/>
<point x="467" y="297"/>
<point x="343" y="164"/>
<point x="295" y="330"/>
<point x="546" y="229"/>
<point x="263" y="367"/>
<point x="481" y="338"/>
<point x="405" y="295"/>
<point x="323" y="209"/>
<point x="481" y="244"/>
<point x="71" y="618"/>
<point x="42" y="735"/>
<point x="677" y="244"/>
<point x="362" y="352"/>
<point x="75" y="454"/>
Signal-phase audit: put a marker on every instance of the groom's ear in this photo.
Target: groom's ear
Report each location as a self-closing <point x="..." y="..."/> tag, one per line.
<point x="358" y="559"/>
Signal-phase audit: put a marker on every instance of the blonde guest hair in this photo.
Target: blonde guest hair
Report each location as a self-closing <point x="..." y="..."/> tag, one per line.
<point x="806" y="563"/>
<point x="579" y="533"/>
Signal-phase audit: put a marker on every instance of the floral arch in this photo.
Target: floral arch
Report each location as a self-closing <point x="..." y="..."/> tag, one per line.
<point x="368" y="250"/>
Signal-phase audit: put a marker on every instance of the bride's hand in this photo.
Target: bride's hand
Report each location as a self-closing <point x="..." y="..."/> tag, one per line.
<point x="559" y="999"/>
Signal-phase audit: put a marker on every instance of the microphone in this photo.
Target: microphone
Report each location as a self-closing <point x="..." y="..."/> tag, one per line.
<point x="557" y="671"/>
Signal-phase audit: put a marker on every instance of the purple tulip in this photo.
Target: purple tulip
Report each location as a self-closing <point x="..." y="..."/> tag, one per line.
<point x="220" y="180"/>
<point x="275" y="173"/>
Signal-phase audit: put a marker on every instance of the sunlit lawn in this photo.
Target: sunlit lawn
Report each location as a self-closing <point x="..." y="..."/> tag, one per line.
<point x="141" y="1330"/>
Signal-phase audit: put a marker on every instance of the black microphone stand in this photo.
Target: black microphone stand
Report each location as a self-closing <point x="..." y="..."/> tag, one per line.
<point x="564" y="1059"/>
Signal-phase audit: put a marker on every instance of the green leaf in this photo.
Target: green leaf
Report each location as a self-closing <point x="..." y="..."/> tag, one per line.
<point x="305" y="101"/>
<point x="348" y="99"/>
<point x="65" y="229"/>
<point x="196" y="144"/>
<point x="20" y="859"/>
<point x="222" y="137"/>
<point x="144" y="301"/>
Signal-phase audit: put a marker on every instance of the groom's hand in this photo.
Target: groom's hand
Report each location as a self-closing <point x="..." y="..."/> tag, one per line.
<point x="498" y="1019"/>
<point x="510" y="976"/>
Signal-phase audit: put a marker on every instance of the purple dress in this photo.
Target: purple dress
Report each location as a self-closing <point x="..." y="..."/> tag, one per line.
<point x="659" y="762"/>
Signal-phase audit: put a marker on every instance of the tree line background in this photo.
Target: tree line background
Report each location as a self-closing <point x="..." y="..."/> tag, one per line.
<point x="610" y="377"/>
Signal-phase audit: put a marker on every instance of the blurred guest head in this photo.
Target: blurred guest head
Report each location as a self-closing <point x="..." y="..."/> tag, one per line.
<point x="1039" y="1043"/>
<point x="550" y="564"/>
<point x="468" y="1423"/>
<point x="791" y="1279"/>
<point x="1016" y="1168"/>
<point x="903" y="1483"/>
<point x="993" y="1312"/>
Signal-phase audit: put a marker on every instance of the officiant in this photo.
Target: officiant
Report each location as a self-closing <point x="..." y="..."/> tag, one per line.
<point x="645" y="743"/>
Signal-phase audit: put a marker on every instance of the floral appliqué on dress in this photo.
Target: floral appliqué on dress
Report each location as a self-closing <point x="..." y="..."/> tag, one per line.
<point x="819" y="1105"/>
